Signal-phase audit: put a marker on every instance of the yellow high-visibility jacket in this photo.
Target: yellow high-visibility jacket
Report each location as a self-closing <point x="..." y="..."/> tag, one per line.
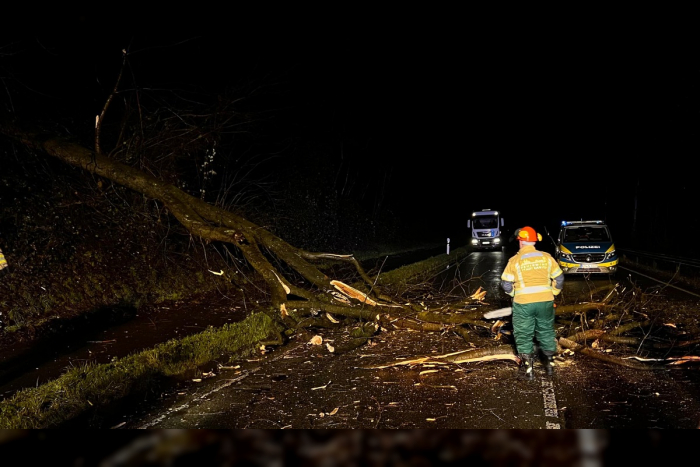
<point x="3" y="262"/>
<point x="535" y="276"/>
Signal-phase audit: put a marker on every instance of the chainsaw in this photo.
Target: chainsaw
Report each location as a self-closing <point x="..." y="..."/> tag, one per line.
<point x="501" y="312"/>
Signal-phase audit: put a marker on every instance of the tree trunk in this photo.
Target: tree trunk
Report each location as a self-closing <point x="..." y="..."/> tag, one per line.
<point x="259" y="247"/>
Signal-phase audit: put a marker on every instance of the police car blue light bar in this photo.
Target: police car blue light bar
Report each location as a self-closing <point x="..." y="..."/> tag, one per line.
<point x="564" y="223"/>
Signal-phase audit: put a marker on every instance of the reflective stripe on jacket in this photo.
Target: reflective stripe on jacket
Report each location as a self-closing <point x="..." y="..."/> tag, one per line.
<point x="532" y="273"/>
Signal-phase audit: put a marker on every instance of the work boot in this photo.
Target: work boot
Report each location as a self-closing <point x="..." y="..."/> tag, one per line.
<point x="526" y="366"/>
<point x="548" y="362"/>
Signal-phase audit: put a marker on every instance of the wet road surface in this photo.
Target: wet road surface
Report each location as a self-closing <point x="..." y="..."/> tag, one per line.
<point x="306" y="386"/>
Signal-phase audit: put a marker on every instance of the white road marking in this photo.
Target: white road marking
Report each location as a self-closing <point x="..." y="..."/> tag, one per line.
<point x="200" y="398"/>
<point x="203" y="397"/>
<point x="550" y="404"/>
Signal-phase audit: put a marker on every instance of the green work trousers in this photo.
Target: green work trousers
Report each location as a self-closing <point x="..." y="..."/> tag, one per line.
<point x="534" y="321"/>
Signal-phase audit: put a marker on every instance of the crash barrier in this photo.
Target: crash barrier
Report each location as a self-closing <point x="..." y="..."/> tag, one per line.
<point x="685" y="267"/>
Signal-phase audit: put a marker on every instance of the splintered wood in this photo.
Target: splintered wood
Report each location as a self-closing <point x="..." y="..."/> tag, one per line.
<point x="464" y="356"/>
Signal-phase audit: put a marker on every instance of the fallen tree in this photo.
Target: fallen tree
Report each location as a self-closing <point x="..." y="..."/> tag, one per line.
<point x="300" y="293"/>
<point x="319" y="296"/>
<point x="320" y="300"/>
<point x="145" y="151"/>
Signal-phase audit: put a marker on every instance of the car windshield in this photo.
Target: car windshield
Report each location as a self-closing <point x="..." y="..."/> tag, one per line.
<point x="586" y="234"/>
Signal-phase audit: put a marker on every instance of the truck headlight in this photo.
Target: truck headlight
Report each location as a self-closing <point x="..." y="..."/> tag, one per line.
<point x="566" y="257"/>
<point x="497" y="240"/>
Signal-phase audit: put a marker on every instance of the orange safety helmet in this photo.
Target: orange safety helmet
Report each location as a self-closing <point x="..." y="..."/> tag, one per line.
<point x="528" y="234"/>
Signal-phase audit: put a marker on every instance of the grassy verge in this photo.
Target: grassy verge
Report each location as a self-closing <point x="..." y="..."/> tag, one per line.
<point x="91" y="386"/>
<point x="379" y="251"/>
<point x="415" y="272"/>
<point x="83" y="388"/>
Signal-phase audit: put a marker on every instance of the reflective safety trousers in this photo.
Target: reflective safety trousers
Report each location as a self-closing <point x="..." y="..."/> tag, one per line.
<point x="535" y="275"/>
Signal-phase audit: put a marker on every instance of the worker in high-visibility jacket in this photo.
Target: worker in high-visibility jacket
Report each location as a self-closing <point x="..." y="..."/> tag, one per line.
<point x="3" y="265"/>
<point x="533" y="278"/>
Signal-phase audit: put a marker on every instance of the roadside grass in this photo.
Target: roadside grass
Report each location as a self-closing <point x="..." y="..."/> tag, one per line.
<point x="379" y="250"/>
<point x="416" y="272"/>
<point x="92" y="386"/>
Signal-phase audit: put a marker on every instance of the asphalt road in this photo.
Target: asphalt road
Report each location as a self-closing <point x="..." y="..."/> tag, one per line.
<point x="307" y="386"/>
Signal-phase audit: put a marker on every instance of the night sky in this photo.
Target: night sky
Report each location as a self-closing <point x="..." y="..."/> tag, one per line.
<point x="543" y="124"/>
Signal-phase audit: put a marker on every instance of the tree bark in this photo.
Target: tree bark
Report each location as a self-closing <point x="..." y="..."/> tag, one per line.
<point x="260" y="248"/>
<point x="311" y="302"/>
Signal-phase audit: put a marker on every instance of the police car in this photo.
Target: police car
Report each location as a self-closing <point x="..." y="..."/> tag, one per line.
<point x="586" y="247"/>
